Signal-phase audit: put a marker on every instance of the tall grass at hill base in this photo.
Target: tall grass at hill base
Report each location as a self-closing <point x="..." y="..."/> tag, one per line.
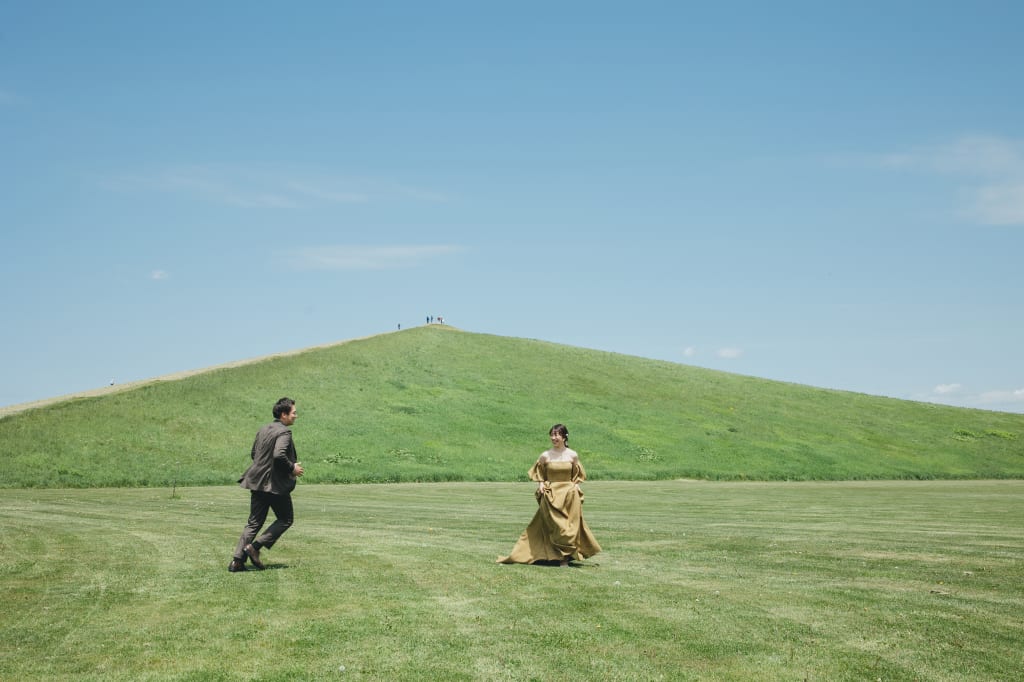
<point x="697" y="581"/>
<point x="439" y="404"/>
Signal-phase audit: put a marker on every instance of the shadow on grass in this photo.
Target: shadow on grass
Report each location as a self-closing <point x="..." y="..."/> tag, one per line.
<point x="556" y="564"/>
<point x="267" y="567"/>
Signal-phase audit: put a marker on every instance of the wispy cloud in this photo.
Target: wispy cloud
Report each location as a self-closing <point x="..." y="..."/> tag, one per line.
<point x="1002" y="397"/>
<point x="968" y="155"/>
<point x="158" y="275"/>
<point x="999" y="204"/>
<point x="725" y="353"/>
<point x="342" y="257"/>
<point x="237" y="189"/>
<point x="421" y="194"/>
<point x="992" y="168"/>
<point x="329" y="192"/>
<point x="957" y="394"/>
<point x="9" y="98"/>
<point x="256" y="188"/>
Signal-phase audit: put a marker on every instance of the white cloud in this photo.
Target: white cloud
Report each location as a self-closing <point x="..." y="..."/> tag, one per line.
<point x="1006" y="400"/>
<point x="1001" y="397"/>
<point x="422" y="194"/>
<point x="330" y="193"/>
<point x="689" y="352"/>
<point x="995" y="166"/>
<point x="257" y="188"/>
<point x="730" y="353"/>
<point x="368" y="257"/>
<point x="986" y="155"/>
<point x="210" y="185"/>
<point x="158" y="275"/>
<point x="10" y="98"/>
<point x="999" y="204"/>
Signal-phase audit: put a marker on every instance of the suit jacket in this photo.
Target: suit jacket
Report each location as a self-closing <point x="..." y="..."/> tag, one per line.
<point x="273" y="455"/>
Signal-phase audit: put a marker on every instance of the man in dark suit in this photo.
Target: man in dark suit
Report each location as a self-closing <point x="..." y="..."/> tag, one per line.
<point x="270" y="479"/>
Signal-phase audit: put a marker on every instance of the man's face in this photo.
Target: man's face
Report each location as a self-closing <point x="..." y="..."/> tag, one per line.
<point x="289" y="419"/>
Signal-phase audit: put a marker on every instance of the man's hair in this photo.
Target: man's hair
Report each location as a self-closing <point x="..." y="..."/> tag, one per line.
<point x="283" y="406"/>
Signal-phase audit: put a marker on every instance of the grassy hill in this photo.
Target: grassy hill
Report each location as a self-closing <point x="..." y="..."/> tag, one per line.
<point x="436" y="404"/>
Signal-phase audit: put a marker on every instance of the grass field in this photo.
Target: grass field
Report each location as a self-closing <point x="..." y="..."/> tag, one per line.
<point x="698" y="581"/>
<point x="438" y="404"/>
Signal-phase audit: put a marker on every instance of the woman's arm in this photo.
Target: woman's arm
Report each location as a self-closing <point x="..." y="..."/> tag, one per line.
<point x="578" y="474"/>
<point x="539" y="471"/>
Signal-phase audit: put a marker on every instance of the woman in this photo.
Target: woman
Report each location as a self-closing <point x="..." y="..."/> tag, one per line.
<point x="557" y="531"/>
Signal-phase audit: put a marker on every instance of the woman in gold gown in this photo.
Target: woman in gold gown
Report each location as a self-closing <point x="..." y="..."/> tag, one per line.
<point x="557" y="532"/>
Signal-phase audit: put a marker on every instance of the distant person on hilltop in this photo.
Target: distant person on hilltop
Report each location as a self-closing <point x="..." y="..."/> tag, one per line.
<point x="557" y="532"/>
<point x="270" y="479"/>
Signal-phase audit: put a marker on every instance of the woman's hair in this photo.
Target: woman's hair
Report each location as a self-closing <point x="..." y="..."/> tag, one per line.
<point x="561" y="430"/>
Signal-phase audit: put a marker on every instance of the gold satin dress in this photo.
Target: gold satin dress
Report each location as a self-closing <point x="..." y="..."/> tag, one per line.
<point x="557" y="530"/>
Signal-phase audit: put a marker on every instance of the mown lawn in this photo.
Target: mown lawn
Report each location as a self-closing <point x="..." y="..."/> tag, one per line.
<point x="698" y="581"/>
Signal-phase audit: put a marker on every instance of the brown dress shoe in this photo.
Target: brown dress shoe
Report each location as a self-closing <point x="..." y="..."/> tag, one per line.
<point x="254" y="556"/>
<point x="236" y="566"/>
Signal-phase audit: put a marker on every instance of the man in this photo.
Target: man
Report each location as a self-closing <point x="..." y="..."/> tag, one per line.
<point x="270" y="479"/>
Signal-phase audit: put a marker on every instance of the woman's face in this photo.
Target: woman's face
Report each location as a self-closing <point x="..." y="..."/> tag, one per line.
<point x="557" y="440"/>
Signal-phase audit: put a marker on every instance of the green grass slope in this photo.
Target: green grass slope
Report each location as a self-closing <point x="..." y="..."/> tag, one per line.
<point x="438" y="404"/>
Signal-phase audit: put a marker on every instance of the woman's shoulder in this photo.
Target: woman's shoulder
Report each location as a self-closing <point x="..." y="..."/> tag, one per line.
<point x="566" y="455"/>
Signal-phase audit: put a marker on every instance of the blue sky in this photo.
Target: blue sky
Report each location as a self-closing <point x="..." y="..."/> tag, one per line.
<point x="828" y="194"/>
